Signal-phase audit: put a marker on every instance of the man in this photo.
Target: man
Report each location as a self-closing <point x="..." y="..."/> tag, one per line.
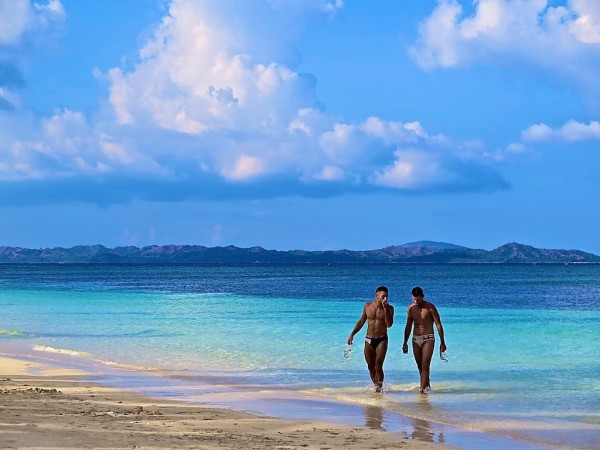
<point x="423" y="315"/>
<point x="379" y="315"/>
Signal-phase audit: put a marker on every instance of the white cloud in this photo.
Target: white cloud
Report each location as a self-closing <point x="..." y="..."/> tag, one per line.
<point x="199" y="73"/>
<point x="66" y="145"/>
<point x="516" y="148"/>
<point x="330" y="173"/>
<point x="116" y="152"/>
<point x="23" y="26"/>
<point x="368" y="142"/>
<point x="63" y="146"/>
<point x="538" y="132"/>
<point x="53" y="8"/>
<point x="393" y="131"/>
<point x="244" y="168"/>
<point x="586" y="26"/>
<point x="9" y="98"/>
<point x="572" y="131"/>
<point x="15" y="19"/>
<point x="439" y="42"/>
<point x="214" y="107"/>
<point x="19" y="17"/>
<point x="413" y="169"/>
<point x="561" y="42"/>
<point x="404" y="173"/>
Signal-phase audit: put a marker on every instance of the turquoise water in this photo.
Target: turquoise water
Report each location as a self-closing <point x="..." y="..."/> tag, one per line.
<point x="522" y="342"/>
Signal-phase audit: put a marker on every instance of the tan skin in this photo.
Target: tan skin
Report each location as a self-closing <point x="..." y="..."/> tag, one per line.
<point x="379" y="316"/>
<point x="421" y="316"/>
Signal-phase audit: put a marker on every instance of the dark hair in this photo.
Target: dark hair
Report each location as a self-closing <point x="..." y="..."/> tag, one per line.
<point x="381" y="288"/>
<point x="418" y="292"/>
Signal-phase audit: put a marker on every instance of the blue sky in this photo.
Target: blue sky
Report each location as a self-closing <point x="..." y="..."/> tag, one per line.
<point x="300" y="124"/>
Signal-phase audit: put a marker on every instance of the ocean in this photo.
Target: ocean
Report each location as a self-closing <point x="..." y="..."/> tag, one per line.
<point x="523" y="369"/>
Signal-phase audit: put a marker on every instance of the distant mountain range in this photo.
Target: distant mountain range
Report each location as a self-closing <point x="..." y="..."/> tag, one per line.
<point x="414" y="252"/>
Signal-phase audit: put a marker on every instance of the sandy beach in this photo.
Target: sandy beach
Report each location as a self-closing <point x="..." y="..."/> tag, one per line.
<point x="47" y="407"/>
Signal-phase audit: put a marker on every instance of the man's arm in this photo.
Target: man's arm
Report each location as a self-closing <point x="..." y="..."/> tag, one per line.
<point x="359" y="325"/>
<point x="389" y="315"/>
<point x="407" y="328"/>
<point x="438" y="323"/>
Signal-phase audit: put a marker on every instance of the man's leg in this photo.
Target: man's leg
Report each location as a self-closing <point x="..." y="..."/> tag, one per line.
<point x="426" y="355"/>
<point x="418" y="354"/>
<point x="370" y="357"/>
<point x="380" y="353"/>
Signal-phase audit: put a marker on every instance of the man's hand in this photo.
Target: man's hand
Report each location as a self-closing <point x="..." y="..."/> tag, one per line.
<point x="384" y="302"/>
<point x="443" y="347"/>
<point x="405" y="348"/>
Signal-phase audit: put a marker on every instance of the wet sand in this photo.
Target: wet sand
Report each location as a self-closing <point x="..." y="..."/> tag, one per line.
<point x="44" y="406"/>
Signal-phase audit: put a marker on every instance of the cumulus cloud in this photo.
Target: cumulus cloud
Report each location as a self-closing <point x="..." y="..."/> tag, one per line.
<point x="65" y="145"/>
<point x="215" y="107"/>
<point x="572" y="131"/>
<point x="16" y="16"/>
<point x="244" y="168"/>
<point x="23" y="25"/>
<point x="21" y="20"/>
<point x="560" y="41"/>
<point x="586" y="25"/>
<point x="201" y="72"/>
<point x="411" y="169"/>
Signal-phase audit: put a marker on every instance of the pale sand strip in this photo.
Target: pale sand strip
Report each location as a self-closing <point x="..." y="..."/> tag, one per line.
<point x="53" y="410"/>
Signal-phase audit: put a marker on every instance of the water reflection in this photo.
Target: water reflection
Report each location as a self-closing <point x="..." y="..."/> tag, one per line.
<point x="416" y="426"/>
<point x="422" y="429"/>
<point x="374" y="417"/>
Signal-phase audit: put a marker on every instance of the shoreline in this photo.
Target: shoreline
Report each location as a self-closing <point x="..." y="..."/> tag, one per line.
<point x="50" y="389"/>
<point x="53" y="408"/>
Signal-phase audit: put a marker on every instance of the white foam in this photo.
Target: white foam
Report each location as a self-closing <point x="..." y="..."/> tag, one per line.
<point x="62" y="351"/>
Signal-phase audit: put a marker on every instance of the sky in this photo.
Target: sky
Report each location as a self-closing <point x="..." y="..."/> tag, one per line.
<point x="300" y="124"/>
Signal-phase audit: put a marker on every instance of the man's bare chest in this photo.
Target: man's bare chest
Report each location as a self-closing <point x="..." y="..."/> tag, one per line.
<point x="420" y="314"/>
<point x="375" y="313"/>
